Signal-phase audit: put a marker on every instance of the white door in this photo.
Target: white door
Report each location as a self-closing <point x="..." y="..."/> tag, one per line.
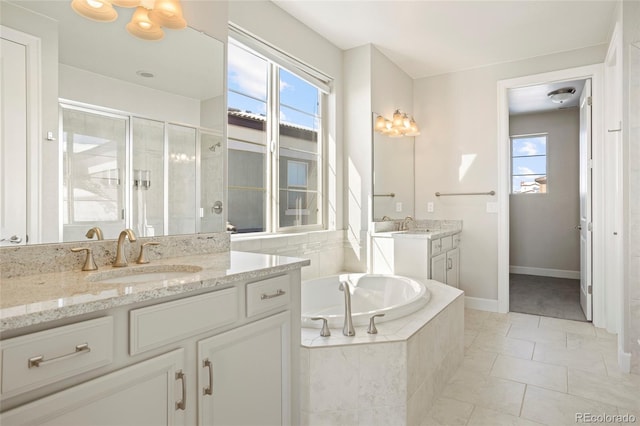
<point x="585" y="201"/>
<point x="13" y="144"/>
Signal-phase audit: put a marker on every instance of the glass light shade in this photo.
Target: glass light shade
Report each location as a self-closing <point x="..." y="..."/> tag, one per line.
<point x="125" y="3"/>
<point x="96" y="10"/>
<point x="168" y="13"/>
<point x="398" y="119"/>
<point x="380" y="125"/>
<point x="413" y="129"/>
<point x="142" y="27"/>
<point x="406" y="122"/>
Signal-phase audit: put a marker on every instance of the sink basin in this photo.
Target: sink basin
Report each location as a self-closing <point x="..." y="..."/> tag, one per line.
<point x="143" y="274"/>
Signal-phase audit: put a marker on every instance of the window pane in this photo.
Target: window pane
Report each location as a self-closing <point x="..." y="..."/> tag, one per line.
<point x="535" y="145"/>
<point x="247" y="186"/>
<point x="529" y="165"/>
<point x="247" y="73"/>
<point x="529" y="184"/>
<point x="297" y="94"/>
<point x="298" y="208"/>
<point x="246" y="106"/>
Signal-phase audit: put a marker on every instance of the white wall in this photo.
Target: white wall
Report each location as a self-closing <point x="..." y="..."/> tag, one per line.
<point x="456" y="152"/>
<point x="542" y="226"/>
<point x="95" y="89"/>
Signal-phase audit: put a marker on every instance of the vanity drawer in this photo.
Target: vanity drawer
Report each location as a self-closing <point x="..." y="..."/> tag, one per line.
<point x="266" y="295"/>
<point x="436" y="247"/>
<point x="162" y="324"/>
<point x="446" y="243"/>
<point x="42" y="358"/>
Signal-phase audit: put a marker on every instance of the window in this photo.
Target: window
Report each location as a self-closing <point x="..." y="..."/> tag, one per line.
<point x="529" y="164"/>
<point x="275" y="144"/>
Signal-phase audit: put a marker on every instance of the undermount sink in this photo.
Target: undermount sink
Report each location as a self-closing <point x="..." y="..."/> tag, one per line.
<point x="143" y="274"/>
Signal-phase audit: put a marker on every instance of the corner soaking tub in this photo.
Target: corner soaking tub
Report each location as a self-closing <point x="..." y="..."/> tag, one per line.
<point x="392" y="295"/>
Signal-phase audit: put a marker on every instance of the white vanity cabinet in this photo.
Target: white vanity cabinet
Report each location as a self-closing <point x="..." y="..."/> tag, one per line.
<point x="242" y="379"/>
<point x="145" y="393"/>
<point x="428" y="255"/>
<point x="382" y="253"/>
<point x="223" y="357"/>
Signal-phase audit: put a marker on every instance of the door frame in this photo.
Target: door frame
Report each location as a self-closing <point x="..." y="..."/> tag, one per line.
<point x="34" y="126"/>
<point x="595" y="73"/>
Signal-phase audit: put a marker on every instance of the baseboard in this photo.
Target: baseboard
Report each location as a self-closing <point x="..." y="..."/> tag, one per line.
<point x="624" y="360"/>
<point x="545" y="272"/>
<point x="480" y="304"/>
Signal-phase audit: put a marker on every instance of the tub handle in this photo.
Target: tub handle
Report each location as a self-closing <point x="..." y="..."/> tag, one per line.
<point x="372" y="324"/>
<point x="325" y="332"/>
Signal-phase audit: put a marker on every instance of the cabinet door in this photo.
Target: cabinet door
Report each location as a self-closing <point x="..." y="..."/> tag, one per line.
<point x="382" y="255"/>
<point x="453" y="267"/>
<point x="244" y="375"/>
<point x="439" y="268"/>
<point x="142" y="394"/>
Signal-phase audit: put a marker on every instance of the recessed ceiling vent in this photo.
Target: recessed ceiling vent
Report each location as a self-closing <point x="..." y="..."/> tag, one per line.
<point x="560" y="96"/>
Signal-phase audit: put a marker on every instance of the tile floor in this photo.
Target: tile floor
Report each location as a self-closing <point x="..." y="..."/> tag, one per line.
<point x="522" y="369"/>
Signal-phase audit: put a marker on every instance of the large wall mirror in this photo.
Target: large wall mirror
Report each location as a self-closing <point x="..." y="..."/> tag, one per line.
<point x="132" y="131"/>
<point x="393" y="176"/>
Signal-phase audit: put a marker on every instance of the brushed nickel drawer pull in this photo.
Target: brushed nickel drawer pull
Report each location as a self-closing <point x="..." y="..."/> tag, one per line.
<point x="278" y="293"/>
<point x="182" y="404"/>
<point x="208" y="390"/>
<point x="39" y="360"/>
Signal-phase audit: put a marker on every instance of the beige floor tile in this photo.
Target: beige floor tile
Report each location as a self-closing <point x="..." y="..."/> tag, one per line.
<point x="486" y="391"/>
<point x="495" y="327"/>
<point x="504" y="345"/>
<point x="479" y="361"/>
<point x="577" y="327"/>
<point x="469" y="337"/>
<point x="592" y="344"/>
<point x="476" y="315"/>
<point x="548" y="376"/>
<point x="556" y="408"/>
<point x="574" y="358"/>
<point x="538" y="335"/>
<point x="485" y="417"/>
<point x="448" y="412"/>
<point x="621" y="392"/>
<point x="604" y="334"/>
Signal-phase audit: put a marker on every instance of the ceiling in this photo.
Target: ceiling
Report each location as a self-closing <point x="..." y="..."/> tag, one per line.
<point x="427" y="37"/>
<point x="531" y="99"/>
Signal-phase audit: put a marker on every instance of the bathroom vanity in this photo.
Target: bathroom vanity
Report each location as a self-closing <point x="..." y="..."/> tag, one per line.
<point x="203" y="339"/>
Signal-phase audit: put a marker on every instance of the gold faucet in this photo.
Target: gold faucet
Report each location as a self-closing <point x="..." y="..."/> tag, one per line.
<point x="95" y="231"/>
<point x="121" y="259"/>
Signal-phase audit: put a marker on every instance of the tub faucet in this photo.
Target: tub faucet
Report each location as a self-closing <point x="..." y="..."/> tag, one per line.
<point x="348" y="329"/>
<point x="121" y="259"/>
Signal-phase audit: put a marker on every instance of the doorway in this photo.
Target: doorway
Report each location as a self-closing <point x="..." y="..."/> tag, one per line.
<point x="547" y="123"/>
<point x="589" y="73"/>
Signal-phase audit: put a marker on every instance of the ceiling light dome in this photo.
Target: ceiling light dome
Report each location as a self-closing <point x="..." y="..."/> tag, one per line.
<point x="561" y="95"/>
<point x="96" y="10"/>
<point x="168" y="13"/>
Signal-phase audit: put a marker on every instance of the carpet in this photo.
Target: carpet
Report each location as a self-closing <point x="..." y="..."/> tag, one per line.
<point x="546" y="296"/>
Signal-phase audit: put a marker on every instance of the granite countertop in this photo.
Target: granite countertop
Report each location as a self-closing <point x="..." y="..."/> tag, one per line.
<point x="418" y="233"/>
<point x="34" y="299"/>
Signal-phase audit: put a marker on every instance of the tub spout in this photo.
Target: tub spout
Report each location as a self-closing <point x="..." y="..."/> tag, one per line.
<point x="348" y="329"/>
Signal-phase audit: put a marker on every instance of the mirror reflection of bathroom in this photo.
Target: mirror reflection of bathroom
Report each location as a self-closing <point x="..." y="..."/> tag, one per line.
<point x="134" y="130"/>
<point x="548" y="124"/>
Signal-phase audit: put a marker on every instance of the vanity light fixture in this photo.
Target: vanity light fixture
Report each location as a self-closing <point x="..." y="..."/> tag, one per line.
<point x="399" y="125"/>
<point x="147" y="20"/>
<point x="561" y="95"/>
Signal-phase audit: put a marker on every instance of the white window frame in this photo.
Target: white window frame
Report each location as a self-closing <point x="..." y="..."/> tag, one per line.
<point x="277" y="60"/>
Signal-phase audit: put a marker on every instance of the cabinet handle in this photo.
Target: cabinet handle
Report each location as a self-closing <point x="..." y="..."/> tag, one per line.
<point x="39" y="360"/>
<point x="182" y="404"/>
<point x="208" y="390"/>
<point x="278" y="293"/>
<point x="449" y="263"/>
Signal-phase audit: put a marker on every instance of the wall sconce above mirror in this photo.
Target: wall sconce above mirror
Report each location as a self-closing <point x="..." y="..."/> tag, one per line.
<point x="400" y="125"/>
